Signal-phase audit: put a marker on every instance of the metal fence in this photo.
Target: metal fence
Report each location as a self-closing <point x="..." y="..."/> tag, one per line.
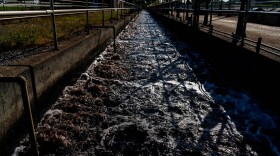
<point x="64" y="4"/>
<point x="257" y="45"/>
<point x="58" y="9"/>
<point x="189" y="15"/>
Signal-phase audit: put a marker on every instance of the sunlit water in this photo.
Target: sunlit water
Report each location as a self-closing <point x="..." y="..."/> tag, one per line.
<point x="148" y="99"/>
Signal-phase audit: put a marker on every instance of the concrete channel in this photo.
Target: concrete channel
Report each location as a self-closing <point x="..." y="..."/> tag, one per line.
<point x="44" y="72"/>
<point x="155" y="96"/>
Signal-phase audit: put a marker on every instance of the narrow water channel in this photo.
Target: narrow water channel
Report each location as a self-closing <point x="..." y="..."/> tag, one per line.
<point x="153" y="97"/>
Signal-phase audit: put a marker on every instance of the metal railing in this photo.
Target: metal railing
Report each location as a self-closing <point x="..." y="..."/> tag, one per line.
<point x="12" y="15"/>
<point x="186" y="16"/>
<point x="73" y="4"/>
<point x="54" y="9"/>
<point x="226" y="12"/>
<point x="21" y="81"/>
<point x="242" y="41"/>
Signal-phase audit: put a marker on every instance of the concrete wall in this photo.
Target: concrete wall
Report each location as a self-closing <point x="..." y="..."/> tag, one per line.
<point x="49" y="68"/>
<point x="273" y="20"/>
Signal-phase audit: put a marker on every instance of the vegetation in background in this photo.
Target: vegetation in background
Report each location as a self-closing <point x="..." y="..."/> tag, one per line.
<point x="20" y="7"/>
<point x="38" y="31"/>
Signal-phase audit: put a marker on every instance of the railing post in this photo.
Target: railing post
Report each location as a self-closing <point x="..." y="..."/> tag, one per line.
<point x="258" y="47"/>
<point x="114" y="36"/>
<point x="87" y="27"/>
<point x="172" y="10"/>
<point x="184" y="13"/>
<point x="177" y="9"/>
<point x="187" y="12"/>
<point x="211" y="30"/>
<point x="121" y="10"/>
<point x="103" y="20"/>
<point x="111" y="18"/>
<point x="191" y="20"/>
<point x="118" y="13"/>
<point x="33" y="81"/>
<point x="26" y="104"/>
<point x="242" y="41"/>
<point x="195" y="21"/>
<point x="53" y="26"/>
<point x="241" y="21"/>
<point x="21" y="81"/>
<point x="211" y="12"/>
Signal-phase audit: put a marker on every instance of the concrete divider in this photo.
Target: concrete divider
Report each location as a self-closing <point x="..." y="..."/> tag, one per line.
<point x="49" y="68"/>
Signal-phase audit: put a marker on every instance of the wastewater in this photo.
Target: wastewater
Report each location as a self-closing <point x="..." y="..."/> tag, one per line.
<point x="154" y="96"/>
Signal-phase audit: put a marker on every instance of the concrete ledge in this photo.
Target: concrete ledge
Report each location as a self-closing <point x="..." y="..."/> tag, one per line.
<point x="49" y="67"/>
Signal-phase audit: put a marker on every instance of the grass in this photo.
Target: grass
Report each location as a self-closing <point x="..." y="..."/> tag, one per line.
<point x="20" y="7"/>
<point x="38" y="31"/>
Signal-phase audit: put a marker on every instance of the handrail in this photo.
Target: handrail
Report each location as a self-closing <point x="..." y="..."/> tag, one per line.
<point x="10" y="15"/>
<point x="66" y="13"/>
<point x="129" y="3"/>
<point x="114" y="34"/>
<point x="44" y="12"/>
<point x="33" y="81"/>
<point x="21" y="81"/>
<point x="247" y="41"/>
<point x="221" y="11"/>
<point x="167" y="9"/>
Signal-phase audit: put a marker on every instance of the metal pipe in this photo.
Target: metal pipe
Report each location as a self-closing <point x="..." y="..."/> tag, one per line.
<point x="21" y="81"/>
<point x="12" y="13"/>
<point x="111" y="17"/>
<point x="114" y="34"/>
<point x="117" y="14"/>
<point x="184" y="13"/>
<point x="54" y="32"/>
<point x="46" y="12"/>
<point x="121" y="9"/>
<point x="230" y="11"/>
<point x="211" y="29"/>
<point x="211" y="12"/>
<point x="60" y="13"/>
<point x="54" y="26"/>
<point x="128" y="3"/>
<point x="33" y="82"/>
<point x="258" y="46"/>
<point x="103" y="20"/>
<point x="245" y="19"/>
<point x="87" y="27"/>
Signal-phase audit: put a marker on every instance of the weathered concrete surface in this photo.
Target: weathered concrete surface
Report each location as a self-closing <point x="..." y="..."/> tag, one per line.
<point x="49" y="67"/>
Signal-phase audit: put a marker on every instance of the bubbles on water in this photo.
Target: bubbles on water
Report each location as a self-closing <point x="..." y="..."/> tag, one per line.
<point x="148" y="100"/>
